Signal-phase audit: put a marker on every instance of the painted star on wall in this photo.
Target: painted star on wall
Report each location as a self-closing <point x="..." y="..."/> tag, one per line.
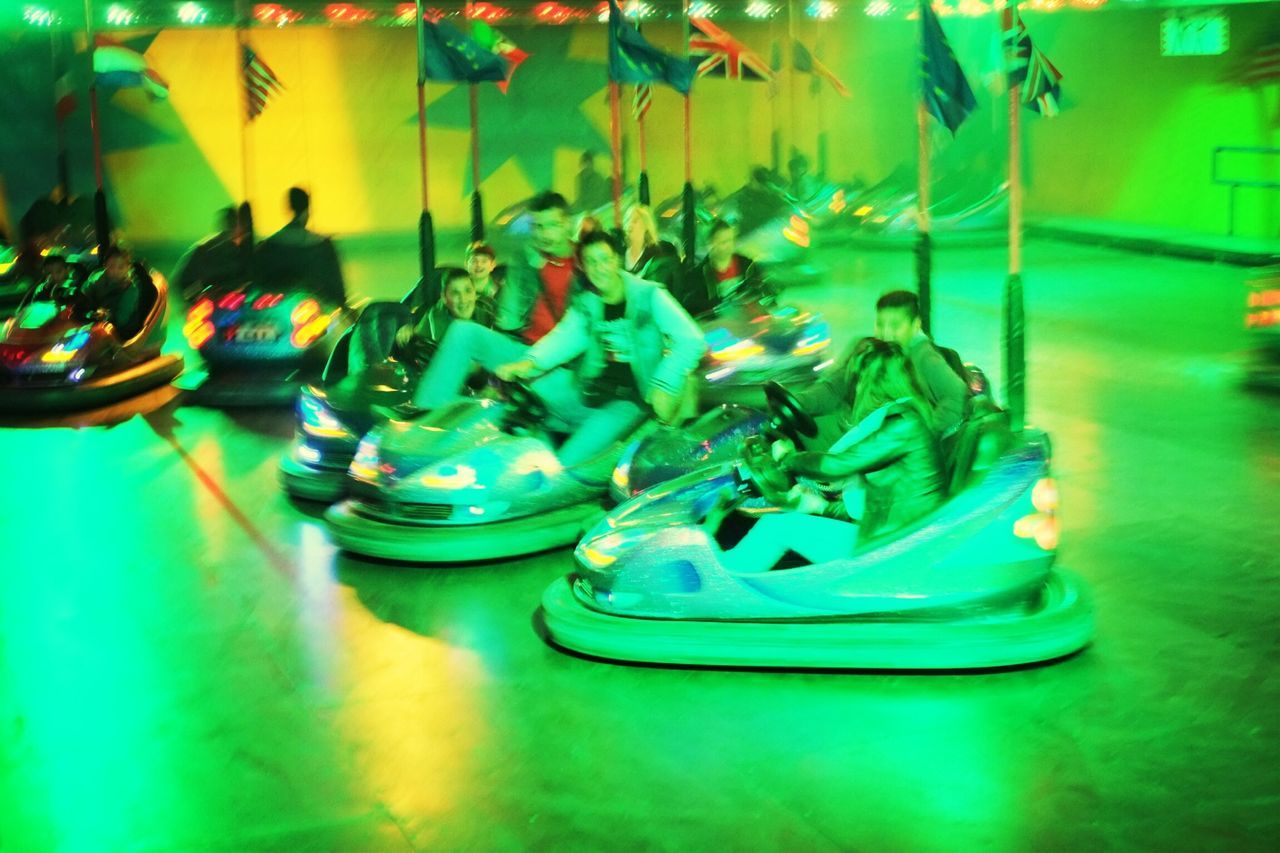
<point x="541" y="112"/>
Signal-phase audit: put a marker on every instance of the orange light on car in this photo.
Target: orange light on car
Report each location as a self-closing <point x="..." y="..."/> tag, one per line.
<point x="198" y="330"/>
<point x="797" y="231"/>
<point x="838" y="203"/>
<point x="305" y="312"/>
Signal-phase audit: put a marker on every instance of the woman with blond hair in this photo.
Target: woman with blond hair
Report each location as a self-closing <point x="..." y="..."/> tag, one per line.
<point x="645" y="256"/>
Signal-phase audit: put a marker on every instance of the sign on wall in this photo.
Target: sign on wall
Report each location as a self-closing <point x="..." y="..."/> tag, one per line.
<point x="1199" y="33"/>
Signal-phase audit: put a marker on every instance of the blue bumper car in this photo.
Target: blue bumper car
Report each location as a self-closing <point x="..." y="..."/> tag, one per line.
<point x="474" y="480"/>
<point x="971" y="585"/>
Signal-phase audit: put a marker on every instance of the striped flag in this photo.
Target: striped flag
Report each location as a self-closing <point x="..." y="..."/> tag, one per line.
<point x="1264" y="66"/>
<point x="641" y="101"/>
<point x="1028" y="67"/>
<point x="118" y="67"/>
<point x="498" y="44"/>
<point x="260" y="82"/>
<point x="719" y="54"/>
<point x="803" y="60"/>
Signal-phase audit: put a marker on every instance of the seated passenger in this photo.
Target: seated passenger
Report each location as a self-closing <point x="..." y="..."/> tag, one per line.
<point x="889" y="462"/>
<point x="296" y="256"/>
<point x="115" y="291"/>
<point x="218" y="259"/>
<point x="59" y="282"/>
<point x="758" y="201"/>
<point x="633" y="347"/>
<point x="481" y="264"/>
<point x="417" y="343"/>
<point x="645" y="256"/>
<point x="946" y="394"/>
<point x="542" y="279"/>
<point x="722" y="274"/>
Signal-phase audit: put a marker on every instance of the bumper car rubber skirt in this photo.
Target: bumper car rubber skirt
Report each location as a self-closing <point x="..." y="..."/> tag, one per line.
<point x="1057" y="624"/>
<point x="94" y="393"/>
<point x="301" y="480"/>
<point x="459" y="543"/>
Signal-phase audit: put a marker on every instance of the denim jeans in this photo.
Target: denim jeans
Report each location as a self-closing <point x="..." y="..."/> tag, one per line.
<point x="467" y="345"/>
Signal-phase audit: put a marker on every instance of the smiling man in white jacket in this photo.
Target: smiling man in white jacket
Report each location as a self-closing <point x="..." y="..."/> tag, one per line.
<point x="634" y="351"/>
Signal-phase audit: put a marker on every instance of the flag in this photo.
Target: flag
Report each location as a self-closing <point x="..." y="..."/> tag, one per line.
<point x="64" y="87"/>
<point x="633" y="60"/>
<point x="1028" y="67"/>
<point x="260" y="82"/>
<point x="641" y="102"/>
<point x="719" y="54"/>
<point x="446" y="54"/>
<point x="118" y="67"/>
<point x="946" y="92"/>
<point x="803" y="61"/>
<point x="496" y="43"/>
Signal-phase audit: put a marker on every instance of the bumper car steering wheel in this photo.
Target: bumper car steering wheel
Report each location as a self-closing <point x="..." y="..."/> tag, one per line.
<point x="525" y="408"/>
<point x="759" y="474"/>
<point x="788" y="416"/>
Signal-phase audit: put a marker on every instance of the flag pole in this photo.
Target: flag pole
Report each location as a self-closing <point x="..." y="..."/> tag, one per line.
<point x="690" y="228"/>
<point x="642" y="188"/>
<point x="615" y="143"/>
<point x="1013" y="317"/>
<point x="477" y="208"/>
<point x="790" y="56"/>
<point x="101" y="222"/>
<point x="426" y="231"/>
<point x="245" y="211"/>
<point x="924" y="246"/>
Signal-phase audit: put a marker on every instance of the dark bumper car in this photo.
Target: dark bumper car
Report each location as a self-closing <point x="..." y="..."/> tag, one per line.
<point x="53" y="358"/>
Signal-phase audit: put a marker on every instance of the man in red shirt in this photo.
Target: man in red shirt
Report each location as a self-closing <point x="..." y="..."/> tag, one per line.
<point x="722" y="274"/>
<point x="538" y="285"/>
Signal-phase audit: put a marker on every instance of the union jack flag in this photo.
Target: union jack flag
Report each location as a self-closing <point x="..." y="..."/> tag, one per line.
<point x="260" y="82"/>
<point x="641" y="102"/>
<point x="1029" y="67"/>
<point x="721" y="55"/>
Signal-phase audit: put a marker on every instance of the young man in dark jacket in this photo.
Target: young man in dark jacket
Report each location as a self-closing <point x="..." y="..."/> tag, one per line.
<point x="722" y="274"/>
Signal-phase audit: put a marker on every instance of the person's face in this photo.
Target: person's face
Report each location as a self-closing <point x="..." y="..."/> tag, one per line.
<point x="117" y="268"/>
<point x="550" y="230"/>
<point x="57" y="272"/>
<point x="722" y="245"/>
<point x="601" y="266"/>
<point x="479" y="266"/>
<point x="896" y="326"/>
<point x="460" y="298"/>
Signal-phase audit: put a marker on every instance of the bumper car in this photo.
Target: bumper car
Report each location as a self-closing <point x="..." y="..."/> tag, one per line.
<point x="1262" y="320"/>
<point x="966" y="211"/>
<point x="474" y="480"/>
<point x="335" y="412"/>
<point x="260" y="345"/>
<point x="750" y="344"/>
<point x="54" y="358"/>
<point x="971" y="585"/>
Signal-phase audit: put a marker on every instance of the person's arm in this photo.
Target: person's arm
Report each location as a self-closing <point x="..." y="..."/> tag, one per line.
<point x="513" y="306"/>
<point x="886" y="445"/>
<point x="685" y="344"/>
<point x="947" y="389"/>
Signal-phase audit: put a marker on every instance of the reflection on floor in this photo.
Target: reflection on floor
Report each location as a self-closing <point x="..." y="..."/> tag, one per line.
<point x="187" y="664"/>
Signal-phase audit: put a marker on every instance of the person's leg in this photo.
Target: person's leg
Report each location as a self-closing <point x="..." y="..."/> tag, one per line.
<point x="465" y="345"/>
<point x="601" y="427"/>
<point x="813" y="537"/>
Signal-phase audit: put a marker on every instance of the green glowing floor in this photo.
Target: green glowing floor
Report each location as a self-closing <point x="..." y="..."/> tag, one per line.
<point x="186" y="664"/>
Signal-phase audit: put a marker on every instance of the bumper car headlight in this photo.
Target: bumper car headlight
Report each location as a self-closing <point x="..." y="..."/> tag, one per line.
<point x="364" y="467"/>
<point x="318" y="421"/>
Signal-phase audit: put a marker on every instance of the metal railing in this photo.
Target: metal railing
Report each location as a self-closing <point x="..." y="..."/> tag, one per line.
<point x="1234" y="184"/>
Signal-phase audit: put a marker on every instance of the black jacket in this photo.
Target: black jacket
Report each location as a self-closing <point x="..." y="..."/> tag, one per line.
<point x="699" y="293"/>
